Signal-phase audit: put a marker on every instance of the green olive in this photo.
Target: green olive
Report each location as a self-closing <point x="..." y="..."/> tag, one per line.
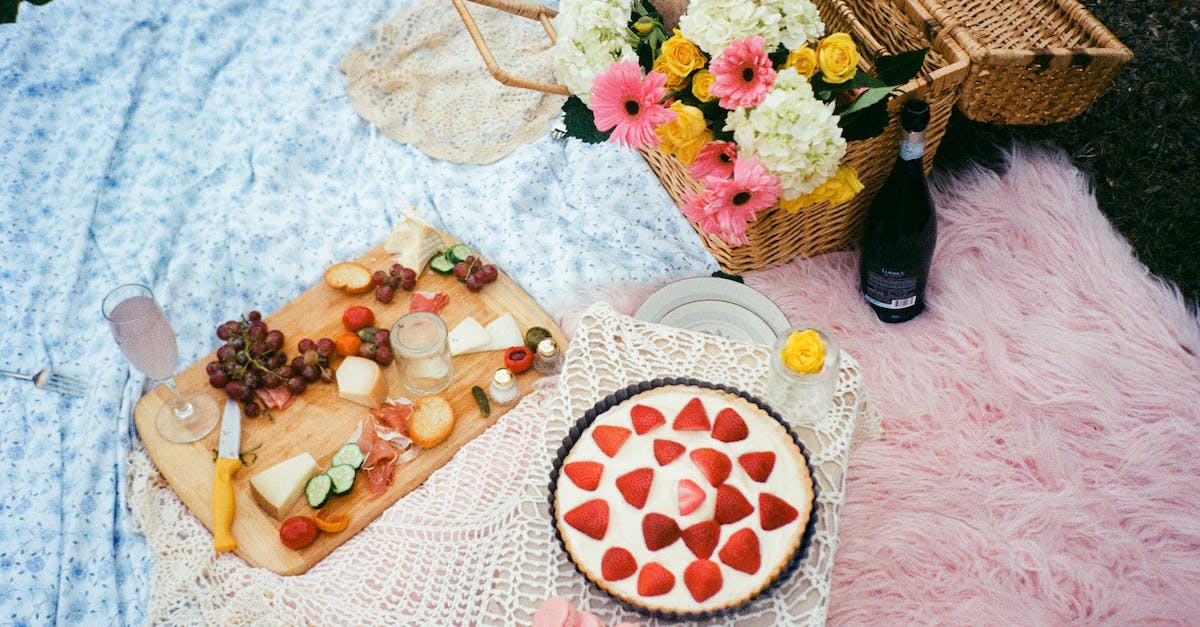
<point x="534" y="336"/>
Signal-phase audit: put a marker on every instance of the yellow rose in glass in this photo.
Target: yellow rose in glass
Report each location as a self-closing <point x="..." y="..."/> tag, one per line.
<point x="803" y="60"/>
<point x="804" y="352"/>
<point x="701" y="83"/>
<point x="803" y="374"/>
<point x="680" y="56"/>
<point x="837" y="56"/>
<point x="685" y="135"/>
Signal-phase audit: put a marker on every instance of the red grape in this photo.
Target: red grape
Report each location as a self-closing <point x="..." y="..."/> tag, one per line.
<point x="297" y="385"/>
<point x="385" y="293"/>
<point x="254" y="316"/>
<point x="379" y="278"/>
<point x="325" y="348"/>
<point x="306" y="345"/>
<point x="251" y="409"/>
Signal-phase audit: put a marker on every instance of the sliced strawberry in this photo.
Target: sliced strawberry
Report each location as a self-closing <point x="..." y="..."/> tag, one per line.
<point x="659" y="531"/>
<point x="741" y="552"/>
<point x="617" y="564"/>
<point x="646" y="418"/>
<point x="774" y="512"/>
<point x="610" y="438"/>
<point x="758" y="465"/>
<point x="703" y="579"/>
<point x="591" y="518"/>
<point x="666" y="451"/>
<point x="713" y="463"/>
<point x="654" y="580"/>
<point x="635" y="486"/>
<point x="586" y="475"/>
<point x="692" y="417"/>
<point x="729" y="426"/>
<point x="731" y="505"/>
<point x="691" y="495"/>
<point x="702" y="538"/>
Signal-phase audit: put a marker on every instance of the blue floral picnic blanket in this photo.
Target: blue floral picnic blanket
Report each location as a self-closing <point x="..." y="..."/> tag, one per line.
<point x="208" y="150"/>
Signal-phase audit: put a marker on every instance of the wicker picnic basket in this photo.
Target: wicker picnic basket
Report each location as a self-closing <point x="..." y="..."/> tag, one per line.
<point x="1032" y="61"/>
<point x="878" y="27"/>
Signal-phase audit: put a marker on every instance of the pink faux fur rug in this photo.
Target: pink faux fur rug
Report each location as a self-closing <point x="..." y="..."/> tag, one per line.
<point x="1040" y="462"/>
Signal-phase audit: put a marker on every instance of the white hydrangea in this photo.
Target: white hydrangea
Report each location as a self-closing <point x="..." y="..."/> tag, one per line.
<point x="592" y="34"/>
<point x="795" y="135"/>
<point x="712" y="24"/>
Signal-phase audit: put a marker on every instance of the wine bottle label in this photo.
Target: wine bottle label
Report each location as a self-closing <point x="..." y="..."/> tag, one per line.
<point x="890" y="289"/>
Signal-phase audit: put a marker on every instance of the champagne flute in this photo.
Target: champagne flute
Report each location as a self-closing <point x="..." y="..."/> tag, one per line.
<point x="147" y="340"/>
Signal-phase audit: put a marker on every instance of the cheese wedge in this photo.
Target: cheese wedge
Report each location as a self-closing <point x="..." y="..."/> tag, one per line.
<point x="360" y="380"/>
<point x="468" y="337"/>
<point x="504" y="333"/>
<point x="277" y="488"/>
<point x="413" y="244"/>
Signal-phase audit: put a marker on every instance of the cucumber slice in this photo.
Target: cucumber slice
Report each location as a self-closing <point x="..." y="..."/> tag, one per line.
<point x="342" y="476"/>
<point x="459" y="252"/>
<point x="350" y="454"/>
<point x="442" y="264"/>
<point x="317" y="491"/>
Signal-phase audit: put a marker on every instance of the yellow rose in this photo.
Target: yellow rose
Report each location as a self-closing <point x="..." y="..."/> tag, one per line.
<point x="685" y="135"/>
<point x="681" y="56"/>
<point x="837" y="189"/>
<point x="804" y="352"/>
<point x="701" y="83"/>
<point x="803" y="60"/>
<point x="675" y="82"/>
<point x="838" y="58"/>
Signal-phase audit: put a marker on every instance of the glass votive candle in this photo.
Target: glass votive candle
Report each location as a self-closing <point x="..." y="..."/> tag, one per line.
<point x="422" y="347"/>
<point x="802" y="377"/>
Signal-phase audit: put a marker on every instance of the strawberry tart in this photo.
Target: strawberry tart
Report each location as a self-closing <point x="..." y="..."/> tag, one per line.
<point x="682" y="498"/>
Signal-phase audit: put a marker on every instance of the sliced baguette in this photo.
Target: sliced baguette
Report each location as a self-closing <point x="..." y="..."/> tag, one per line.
<point x="431" y="422"/>
<point x="349" y="276"/>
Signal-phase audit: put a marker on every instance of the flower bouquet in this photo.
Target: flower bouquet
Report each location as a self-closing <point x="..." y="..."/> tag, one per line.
<point x="752" y="96"/>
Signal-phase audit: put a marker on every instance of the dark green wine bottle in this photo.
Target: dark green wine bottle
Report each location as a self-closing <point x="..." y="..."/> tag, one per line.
<point x="900" y="231"/>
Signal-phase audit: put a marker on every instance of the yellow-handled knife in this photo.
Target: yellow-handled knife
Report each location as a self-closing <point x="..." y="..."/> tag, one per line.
<point x="228" y="462"/>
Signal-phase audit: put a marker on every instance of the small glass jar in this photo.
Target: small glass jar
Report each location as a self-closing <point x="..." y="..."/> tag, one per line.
<point x="548" y="359"/>
<point x="802" y="398"/>
<point x="504" y="389"/>
<point x="420" y="342"/>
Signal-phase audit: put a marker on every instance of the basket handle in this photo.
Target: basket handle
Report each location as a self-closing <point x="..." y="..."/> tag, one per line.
<point x="534" y="12"/>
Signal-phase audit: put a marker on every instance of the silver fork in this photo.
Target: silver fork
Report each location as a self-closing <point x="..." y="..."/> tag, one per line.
<point x="53" y="381"/>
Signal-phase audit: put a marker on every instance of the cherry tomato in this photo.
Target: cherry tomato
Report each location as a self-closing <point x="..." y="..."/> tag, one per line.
<point x="298" y="532"/>
<point x="358" y="317"/>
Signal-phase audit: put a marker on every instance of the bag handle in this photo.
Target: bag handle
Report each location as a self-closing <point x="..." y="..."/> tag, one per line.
<point x="534" y="12"/>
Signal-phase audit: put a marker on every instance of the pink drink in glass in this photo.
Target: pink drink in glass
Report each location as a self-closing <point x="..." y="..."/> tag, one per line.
<point x="145" y="337"/>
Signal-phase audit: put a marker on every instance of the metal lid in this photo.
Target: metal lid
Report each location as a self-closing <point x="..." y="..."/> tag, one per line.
<point x="503" y="377"/>
<point x="548" y="347"/>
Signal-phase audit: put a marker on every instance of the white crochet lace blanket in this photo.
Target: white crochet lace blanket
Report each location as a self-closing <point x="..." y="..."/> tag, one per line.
<point x="422" y="82"/>
<point x="474" y="544"/>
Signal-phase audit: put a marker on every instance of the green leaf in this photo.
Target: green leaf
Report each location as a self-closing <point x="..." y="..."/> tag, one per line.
<point x="580" y="122"/>
<point x="860" y="79"/>
<point x="900" y="68"/>
<point x="865" y="123"/>
<point x="866" y="99"/>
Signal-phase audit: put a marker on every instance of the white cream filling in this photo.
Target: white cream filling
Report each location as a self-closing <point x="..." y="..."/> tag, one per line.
<point x="788" y="480"/>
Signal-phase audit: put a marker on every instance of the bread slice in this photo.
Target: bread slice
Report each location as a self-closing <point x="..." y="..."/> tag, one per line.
<point x="431" y="422"/>
<point x="349" y="276"/>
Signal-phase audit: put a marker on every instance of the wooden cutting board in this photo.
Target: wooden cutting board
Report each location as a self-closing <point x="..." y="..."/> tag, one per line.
<point x="319" y="422"/>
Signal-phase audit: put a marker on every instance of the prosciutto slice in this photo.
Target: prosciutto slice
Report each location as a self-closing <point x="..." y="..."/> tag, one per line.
<point x="275" y="398"/>
<point x="428" y="301"/>
<point x="380" y="457"/>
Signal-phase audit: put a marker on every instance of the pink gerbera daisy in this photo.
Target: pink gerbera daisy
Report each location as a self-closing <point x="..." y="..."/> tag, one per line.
<point x="714" y="159"/>
<point x="743" y="73"/>
<point x="727" y="206"/>
<point x="630" y="106"/>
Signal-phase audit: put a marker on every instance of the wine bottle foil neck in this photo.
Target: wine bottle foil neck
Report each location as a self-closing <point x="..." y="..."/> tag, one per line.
<point x="912" y="147"/>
